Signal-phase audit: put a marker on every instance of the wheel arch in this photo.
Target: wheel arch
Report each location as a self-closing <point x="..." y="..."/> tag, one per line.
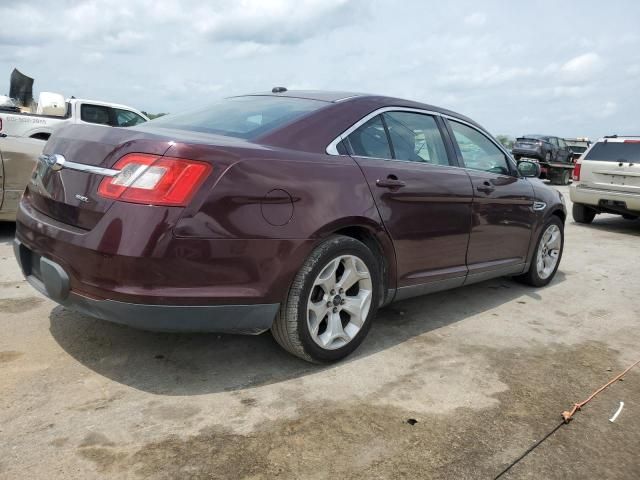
<point x="558" y="212"/>
<point x="41" y="136"/>
<point x="378" y="241"/>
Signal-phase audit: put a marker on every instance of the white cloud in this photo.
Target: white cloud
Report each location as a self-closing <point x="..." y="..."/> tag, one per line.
<point x="582" y="65"/>
<point x="168" y="55"/>
<point x="476" y="19"/>
<point x="277" y="21"/>
<point x="608" y="109"/>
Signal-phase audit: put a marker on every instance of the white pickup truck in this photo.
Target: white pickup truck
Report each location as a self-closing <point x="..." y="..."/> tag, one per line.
<point x="77" y="111"/>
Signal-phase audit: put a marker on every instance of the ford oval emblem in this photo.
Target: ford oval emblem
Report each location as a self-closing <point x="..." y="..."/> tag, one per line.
<point x="55" y="162"/>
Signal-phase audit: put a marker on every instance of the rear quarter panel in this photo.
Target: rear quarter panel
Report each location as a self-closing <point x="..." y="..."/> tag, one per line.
<point x="277" y="194"/>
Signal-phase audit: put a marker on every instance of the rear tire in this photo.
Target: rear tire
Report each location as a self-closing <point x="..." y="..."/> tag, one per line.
<point x="566" y="176"/>
<point x="547" y="255"/>
<point x="582" y="213"/>
<point x="320" y="322"/>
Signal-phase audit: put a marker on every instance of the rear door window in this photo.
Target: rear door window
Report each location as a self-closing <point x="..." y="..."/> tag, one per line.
<point x="416" y="137"/>
<point x="626" y="152"/>
<point x="370" y="140"/>
<point x="94" y="114"/>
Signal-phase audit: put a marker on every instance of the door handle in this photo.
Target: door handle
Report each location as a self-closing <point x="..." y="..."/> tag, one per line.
<point x="486" y="187"/>
<point x="390" y="182"/>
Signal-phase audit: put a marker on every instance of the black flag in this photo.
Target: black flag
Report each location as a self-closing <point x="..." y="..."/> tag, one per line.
<point x="21" y="88"/>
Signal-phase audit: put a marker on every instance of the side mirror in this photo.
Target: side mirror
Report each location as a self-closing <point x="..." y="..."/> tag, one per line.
<point x="529" y="169"/>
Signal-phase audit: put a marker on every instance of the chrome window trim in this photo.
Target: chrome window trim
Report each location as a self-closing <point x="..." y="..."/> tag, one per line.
<point x="332" y="148"/>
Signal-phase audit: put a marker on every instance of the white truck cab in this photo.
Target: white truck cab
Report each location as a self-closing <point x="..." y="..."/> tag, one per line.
<point x="77" y="111"/>
<point x="606" y="179"/>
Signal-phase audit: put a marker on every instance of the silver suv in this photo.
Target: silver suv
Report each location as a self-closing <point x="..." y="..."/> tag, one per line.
<point x="606" y="179"/>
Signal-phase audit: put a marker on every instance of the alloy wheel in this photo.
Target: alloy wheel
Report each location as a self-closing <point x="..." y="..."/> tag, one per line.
<point x="548" y="251"/>
<point x="339" y="302"/>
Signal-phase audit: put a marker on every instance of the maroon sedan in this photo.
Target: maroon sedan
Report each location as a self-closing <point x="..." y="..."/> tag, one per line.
<point x="299" y="212"/>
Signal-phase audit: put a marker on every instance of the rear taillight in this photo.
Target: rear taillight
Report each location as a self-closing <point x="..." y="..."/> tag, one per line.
<point x="0" y="124"/>
<point x="576" y="172"/>
<point x="154" y="180"/>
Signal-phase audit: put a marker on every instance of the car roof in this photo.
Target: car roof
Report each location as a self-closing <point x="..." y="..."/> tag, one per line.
<point x="619" y="138"/>
<point x="320" y="95"/>
<point x="377" y="101"/>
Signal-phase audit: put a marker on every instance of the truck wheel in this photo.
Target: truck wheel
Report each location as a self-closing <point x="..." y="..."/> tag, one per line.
<point x="582" y="213"/>
<point x="566" y="175"/>
<point x="331" y="303"/>
<point x="548" y="253"/>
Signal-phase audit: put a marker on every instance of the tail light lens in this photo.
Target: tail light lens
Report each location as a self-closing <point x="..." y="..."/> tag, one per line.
<point x="154" y="180"/>
<point x="576" y="172"/>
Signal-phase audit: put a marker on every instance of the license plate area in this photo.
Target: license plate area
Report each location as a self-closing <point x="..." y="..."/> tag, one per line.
<point x="613" y="204"/>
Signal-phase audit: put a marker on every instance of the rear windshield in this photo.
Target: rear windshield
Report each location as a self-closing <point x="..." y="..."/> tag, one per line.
<point x="244" y="117"/>
<point x="614" y="152"/>
<point x="577" y="148"/>
<point x="536" y="137"/>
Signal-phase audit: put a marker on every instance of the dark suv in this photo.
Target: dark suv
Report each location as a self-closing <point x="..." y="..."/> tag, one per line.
<point x="299" y="212"/>
<point x="545" y="148"/>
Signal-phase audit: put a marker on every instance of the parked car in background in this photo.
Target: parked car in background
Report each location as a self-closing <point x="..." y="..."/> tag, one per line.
<point x="553" y="154"/>
<point x="578" y="146"/>
<point x="542" y="147"/>
<point x="18" y="156"/>
<point x="299" y="212"/>
<point x="74" y="110"/>
<point x="607" y="179"/>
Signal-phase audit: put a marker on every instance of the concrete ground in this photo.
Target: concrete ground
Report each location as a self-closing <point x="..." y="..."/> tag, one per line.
<point x="484" y="371"/>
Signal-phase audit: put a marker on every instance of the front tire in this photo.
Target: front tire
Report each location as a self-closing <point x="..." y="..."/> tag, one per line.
<point x="331" y="303"/>
<point x="547" y="256"/>
<point x="583" y="214"/>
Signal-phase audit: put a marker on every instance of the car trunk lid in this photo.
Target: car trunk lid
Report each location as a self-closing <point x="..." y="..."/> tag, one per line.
<point x="71" y="196"/>
<point x="527" y="142"/>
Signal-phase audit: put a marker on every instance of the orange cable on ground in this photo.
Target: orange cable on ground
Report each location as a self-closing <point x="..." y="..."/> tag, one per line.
<point x="568" y="415"/>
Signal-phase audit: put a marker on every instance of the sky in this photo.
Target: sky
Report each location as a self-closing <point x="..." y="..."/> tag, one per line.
<point x="560" y="68"/>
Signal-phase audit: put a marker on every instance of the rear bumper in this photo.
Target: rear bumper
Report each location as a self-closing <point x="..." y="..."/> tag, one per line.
<point x="51" y="279"/>
<point x="521" y="152"/>
<point x="595" y="197"/>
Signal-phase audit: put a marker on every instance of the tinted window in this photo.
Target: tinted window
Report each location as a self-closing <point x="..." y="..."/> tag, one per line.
<point x="416" y="137"/>
<point x="127" y="118"/>
<point x="577" y="149"/>
<point x="370" y="140"/>
<point x="478" y="152"/>
<point x="539" y="137"/>
<point x="245" y="117"/>
<point x="94" y="114"/>
<point x="615" y="152"/>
